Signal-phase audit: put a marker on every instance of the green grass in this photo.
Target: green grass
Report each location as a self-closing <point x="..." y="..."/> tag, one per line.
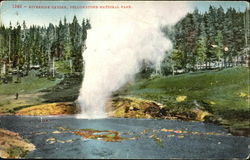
<point x="34" y="91"/>
<point x="220" y="90"/>
<point x="65" y="91"/>
<point x="29" y="84"/>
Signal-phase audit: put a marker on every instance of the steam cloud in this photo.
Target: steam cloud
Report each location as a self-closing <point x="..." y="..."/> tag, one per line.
<point x="117" y="43"/>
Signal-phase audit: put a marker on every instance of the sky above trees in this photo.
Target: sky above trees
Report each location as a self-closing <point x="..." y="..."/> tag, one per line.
<point x="46" y="16"/>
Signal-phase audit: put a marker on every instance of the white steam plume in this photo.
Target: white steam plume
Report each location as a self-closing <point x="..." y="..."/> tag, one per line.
<point x="117" y="43"/>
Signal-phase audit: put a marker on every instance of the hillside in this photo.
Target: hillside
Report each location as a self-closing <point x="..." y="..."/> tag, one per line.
<point x="224" y="93"/>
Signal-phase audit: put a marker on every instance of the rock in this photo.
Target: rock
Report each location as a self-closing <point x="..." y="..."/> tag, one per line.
<point x="153" y="110"/>
<point x="51" y="140"/>
<point x="63" y="108"/>
<point x="130" y="107"/>
<point x="239" y="131"/>
<point x="200" y="114"/>
<point x="4" y="154"/>
<point x="126" y="109"/>
<point x="77" y="106"/>
<point x="12" y="145"/>
<point x="56" y="132"/>
<point x="212" y="119"/>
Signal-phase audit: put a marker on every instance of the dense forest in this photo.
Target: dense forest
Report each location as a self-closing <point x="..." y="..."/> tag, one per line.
<point x="36" y="47"/>
<point x="214" y="39"/>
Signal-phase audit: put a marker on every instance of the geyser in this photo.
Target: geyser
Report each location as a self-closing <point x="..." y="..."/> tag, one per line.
<point x="119" y="40"/>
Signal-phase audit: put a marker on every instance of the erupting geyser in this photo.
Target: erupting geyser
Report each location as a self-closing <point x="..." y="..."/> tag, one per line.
<point x="119" y="40"/>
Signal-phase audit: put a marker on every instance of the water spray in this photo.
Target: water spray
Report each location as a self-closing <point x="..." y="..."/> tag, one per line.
<point x="118" y="42"/>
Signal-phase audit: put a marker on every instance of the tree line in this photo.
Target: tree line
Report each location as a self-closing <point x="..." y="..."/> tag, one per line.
<point x="23" y="48"/>
<point x="213" y="39"/>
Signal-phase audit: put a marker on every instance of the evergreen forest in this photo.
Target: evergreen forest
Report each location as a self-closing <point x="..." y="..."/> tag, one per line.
<point x="217" y="38"/>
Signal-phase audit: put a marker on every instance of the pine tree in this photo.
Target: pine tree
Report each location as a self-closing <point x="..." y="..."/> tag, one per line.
<point x="177" y="60"/>
<point x="48" y="46"/>
<point x="66" y="43"/>
<point x="246" y="50"/>
<point x="200" y="52"/>
<point x="75" y="34"/>
<point x="209" y="19"/>
<point x="3" y="50"/>
<point x="218" y="47"/>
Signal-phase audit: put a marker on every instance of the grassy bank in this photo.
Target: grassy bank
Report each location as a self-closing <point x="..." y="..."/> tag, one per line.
<point x="224" y="93"/>
<point x="29" y="84"/>
<point x="28" y="92"/>
<point x="218" y="96"/>
<point x="35" y="91"/>
<point x="65" y="91"/>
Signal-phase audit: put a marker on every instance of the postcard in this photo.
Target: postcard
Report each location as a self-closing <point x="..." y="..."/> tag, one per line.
<point x="124" y="79"/>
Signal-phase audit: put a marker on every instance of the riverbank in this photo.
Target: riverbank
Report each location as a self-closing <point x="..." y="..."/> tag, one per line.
<point x="130" y="107"/>
<point x="219" y="96"/>
<point x="224" y="94"/>
<point x="13" y="145"/>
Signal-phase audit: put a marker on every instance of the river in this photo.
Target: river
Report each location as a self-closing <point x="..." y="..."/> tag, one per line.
<point x="148" y="138"/>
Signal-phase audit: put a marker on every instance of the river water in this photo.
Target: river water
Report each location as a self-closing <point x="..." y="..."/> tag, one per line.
<point x="149" y="138"/>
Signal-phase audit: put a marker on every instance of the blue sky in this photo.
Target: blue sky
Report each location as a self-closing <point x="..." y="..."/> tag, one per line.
<point x="46" y="16"/>
<point x="204" y="5"/>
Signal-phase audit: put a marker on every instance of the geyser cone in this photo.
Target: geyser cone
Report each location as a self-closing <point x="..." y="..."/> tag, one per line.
<point x="118" y="42"/>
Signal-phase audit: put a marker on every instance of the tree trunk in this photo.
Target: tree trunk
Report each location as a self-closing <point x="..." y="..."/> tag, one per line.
<point x="209" y="64"/>
<point x="173" y="70"/>
<point x="3" y="69"/>
<point x="49" y="62"/>
<point x="9" y="48"/>
<point x="28" y="65"/>
<point x="224" y="62"/>
<point x="53" y="67"/>
<point x="71" y="66"/>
